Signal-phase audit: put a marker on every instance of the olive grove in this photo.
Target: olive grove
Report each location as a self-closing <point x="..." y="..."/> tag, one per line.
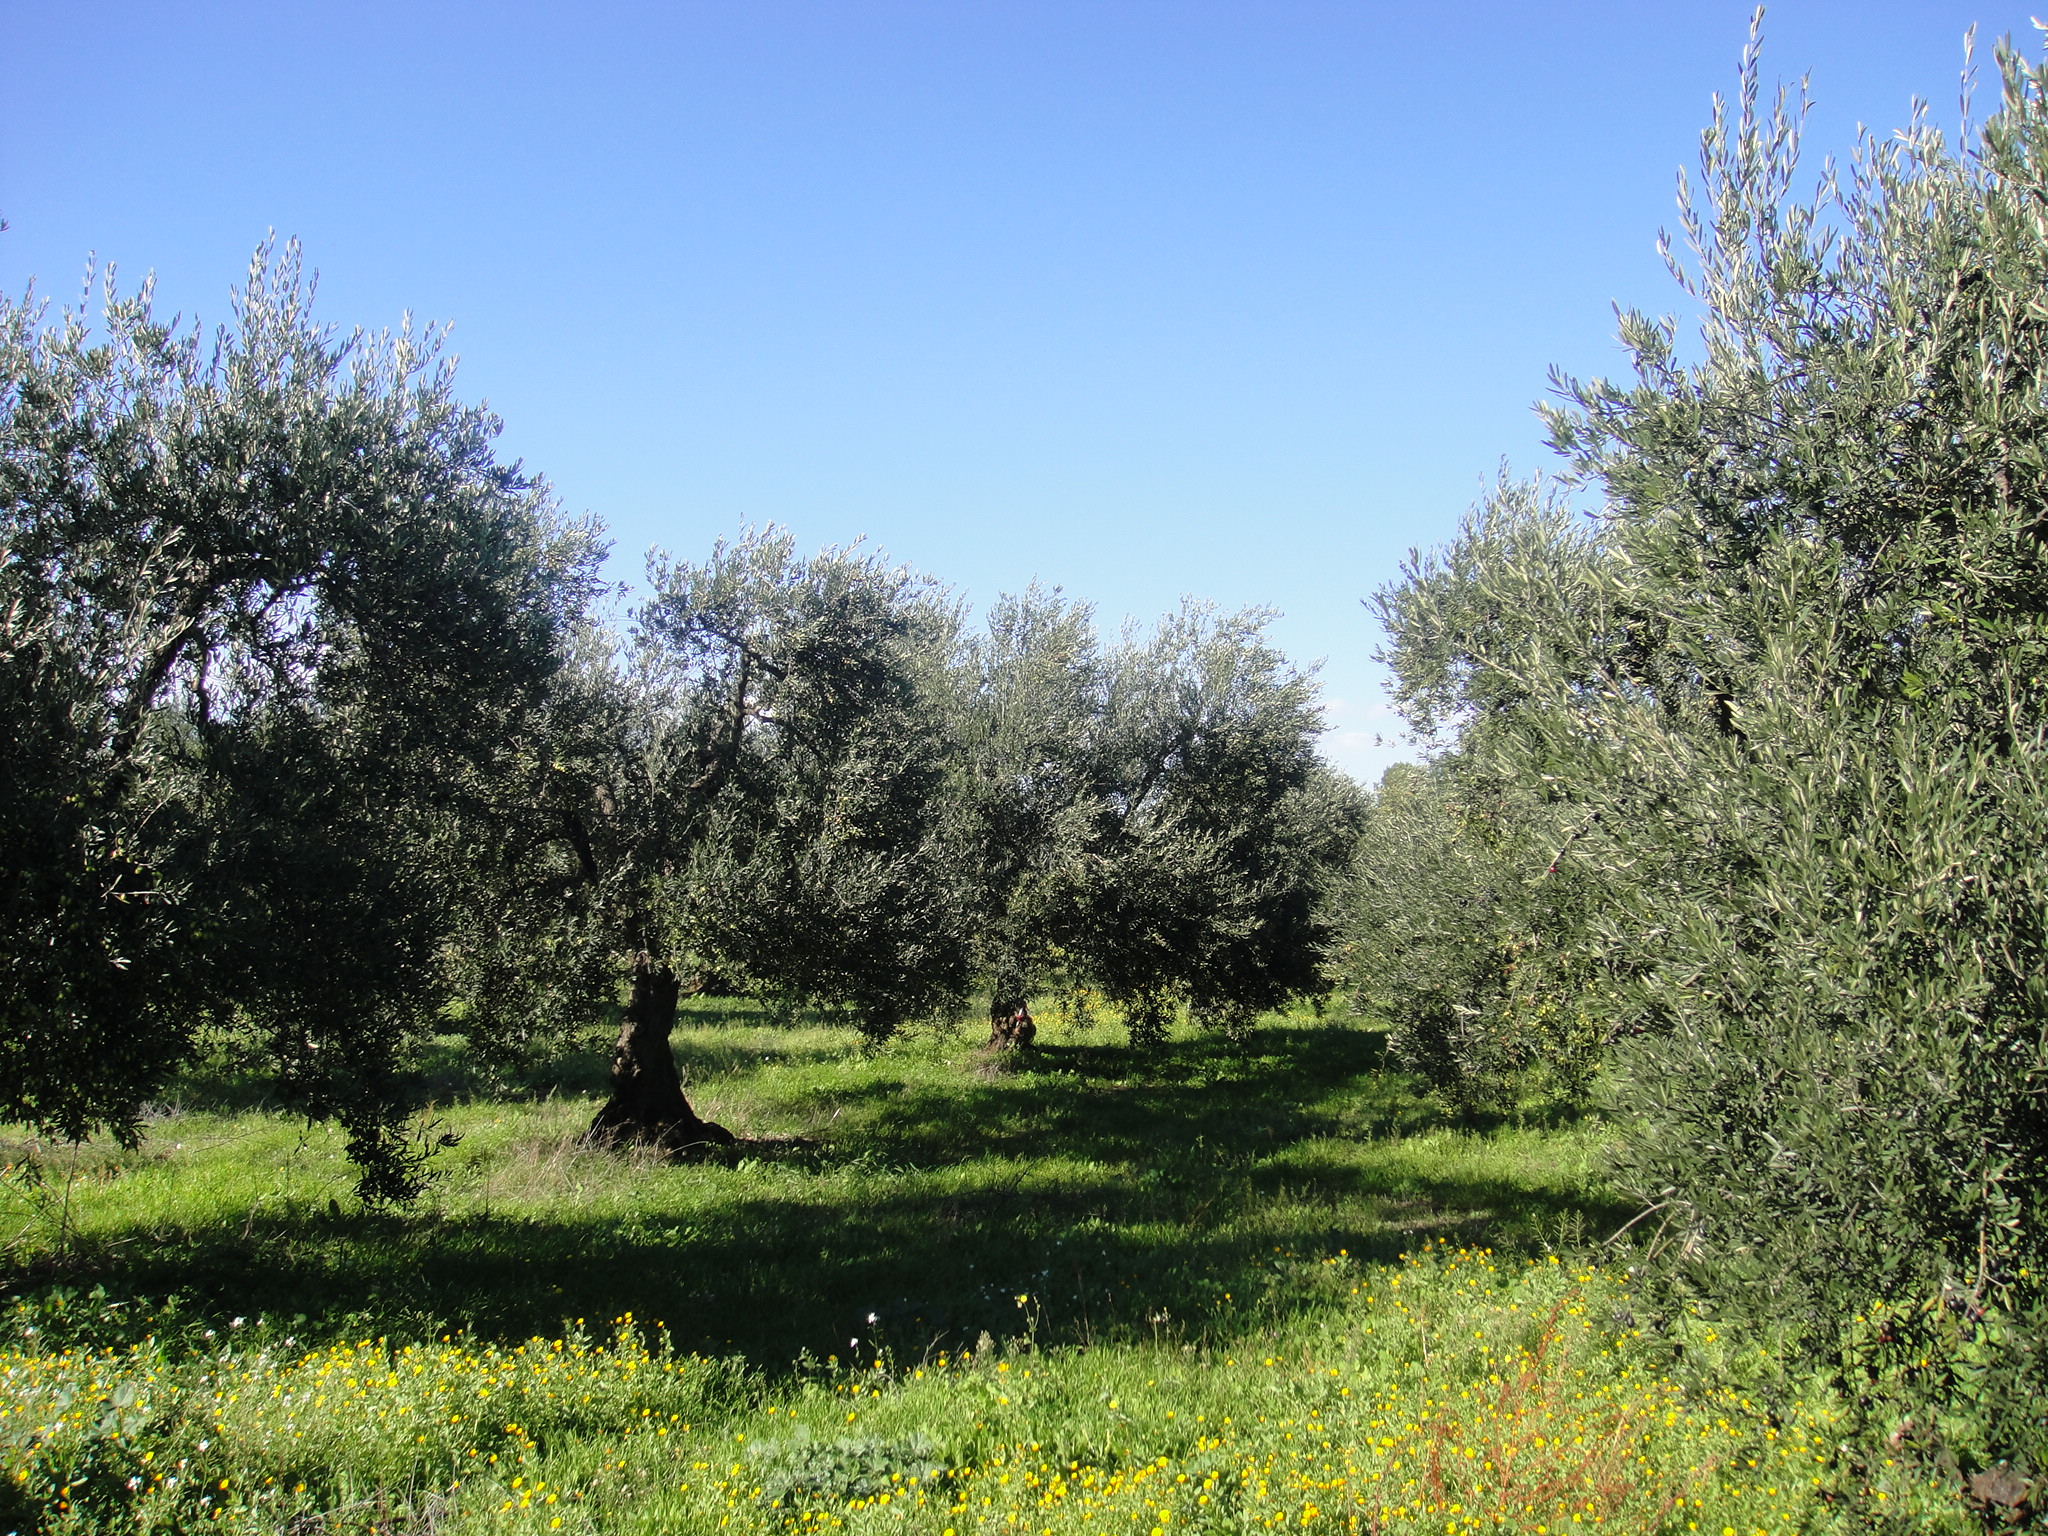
<point x="320" y="736"/>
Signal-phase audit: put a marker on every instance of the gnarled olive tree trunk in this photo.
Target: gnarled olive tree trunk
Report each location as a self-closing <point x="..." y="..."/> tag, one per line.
<point x="1010" y="1025"/>
<point x="647" y="1104"/>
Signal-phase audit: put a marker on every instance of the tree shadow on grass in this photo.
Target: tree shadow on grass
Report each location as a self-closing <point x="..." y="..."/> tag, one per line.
<point x="231" y="1069"/>
<point x="1097" y="1103"/>
<point x="1198" y="1189"/>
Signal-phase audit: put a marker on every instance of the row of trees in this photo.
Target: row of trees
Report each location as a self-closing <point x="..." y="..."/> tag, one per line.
<point x="314" y="727"/>
<point x="1741" y="794"/>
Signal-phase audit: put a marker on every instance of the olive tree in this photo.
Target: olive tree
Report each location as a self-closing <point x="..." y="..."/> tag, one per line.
<point x="1789" y="701"/>
<point x="1151" y="821"/>
<point x="749" y="785"/>
<point x="267" y="602"/>
<point x="1470" y="904"/>
<point x="1027" y="779"/>
<point x="1216" y="828"/>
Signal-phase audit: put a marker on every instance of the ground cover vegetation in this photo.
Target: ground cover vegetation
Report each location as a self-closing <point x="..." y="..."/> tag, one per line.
<point x="899" y="1311"/>
<point x="1737" y="815"/>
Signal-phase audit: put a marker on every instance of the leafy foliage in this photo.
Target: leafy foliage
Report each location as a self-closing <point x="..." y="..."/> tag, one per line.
<point x="1153" y="821"/>
<point x="1779" y="717"/>
<point x="263" y="610"/>
<point x="752" y="786"/>
<point x="1454" y="943"/>
<point x="1219" y="826"/>
<point x="826" y="871"/>
<point x="1027" y="778"/>
<point x="804" y="1469"/>
<point x="317" y="739"/>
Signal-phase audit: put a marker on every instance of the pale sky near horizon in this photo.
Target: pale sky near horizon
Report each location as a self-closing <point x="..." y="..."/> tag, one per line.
<point x="1139" y="299"/>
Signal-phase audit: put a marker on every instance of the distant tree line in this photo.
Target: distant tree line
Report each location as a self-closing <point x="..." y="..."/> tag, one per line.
<point x="1738" y="814"/>
<point x="314" y="728"/>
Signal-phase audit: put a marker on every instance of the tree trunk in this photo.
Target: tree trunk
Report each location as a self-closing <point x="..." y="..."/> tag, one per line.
<point x="647" y="1104"/>
<point x="1010" y="1025"/>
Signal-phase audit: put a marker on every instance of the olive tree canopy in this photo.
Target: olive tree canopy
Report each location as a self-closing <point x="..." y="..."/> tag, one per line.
<point x="751" y="786"/>
<point x="1777" y="717"/>
<point x="1151" y="821"/>
<point x="268" y="601"/>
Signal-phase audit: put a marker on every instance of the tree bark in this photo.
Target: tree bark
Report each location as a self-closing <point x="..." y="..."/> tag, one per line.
<point x="1010" y="1025"/>
<point x="647" y="1104"/>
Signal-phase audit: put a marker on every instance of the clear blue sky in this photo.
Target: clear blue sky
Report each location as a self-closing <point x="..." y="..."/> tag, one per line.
<point x="1139" y="298"/>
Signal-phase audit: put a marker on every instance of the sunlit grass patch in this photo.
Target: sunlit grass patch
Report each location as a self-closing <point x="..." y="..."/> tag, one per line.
<point x="265" y="1433"/>
<point x="1454" y="1391"/>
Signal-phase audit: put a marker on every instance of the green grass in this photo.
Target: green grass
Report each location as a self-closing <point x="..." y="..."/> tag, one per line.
<point x="933" y="1293"/>
<point x="921" y="1186"/>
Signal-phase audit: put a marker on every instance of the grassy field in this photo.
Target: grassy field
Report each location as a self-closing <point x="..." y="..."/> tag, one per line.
<point x="1232" y="1286"/>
